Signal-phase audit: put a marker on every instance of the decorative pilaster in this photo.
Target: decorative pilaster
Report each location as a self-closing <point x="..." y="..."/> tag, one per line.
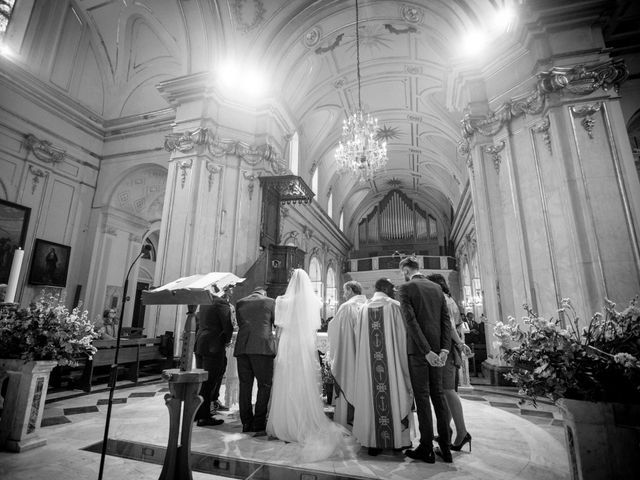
<point x="586" y="112"/>
<point x="213" y="169"/>
<point x="37" y="174"/>
<point x="251" y="178"/>
<point x="555" y="220"/>
<point x="184" y="165"/>
<point x="494" y="151"/>
<point x="543" y="127"/>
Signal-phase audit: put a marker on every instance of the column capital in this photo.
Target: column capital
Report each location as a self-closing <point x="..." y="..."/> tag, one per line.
<point x="576" y="81"/>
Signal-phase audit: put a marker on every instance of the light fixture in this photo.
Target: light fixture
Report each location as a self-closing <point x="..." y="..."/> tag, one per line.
<point x="241" y="81"/>
<point x="503" y="19"/>
<point x="5" y="51"/>
<point x="474" y="42"/>
<point x="360" y="151"/>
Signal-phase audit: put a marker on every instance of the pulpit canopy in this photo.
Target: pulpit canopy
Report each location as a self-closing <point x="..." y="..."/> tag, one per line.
<point x="199" y="289"/>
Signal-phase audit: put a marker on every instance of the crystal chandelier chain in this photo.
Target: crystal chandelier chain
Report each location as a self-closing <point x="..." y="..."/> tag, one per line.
<point x="358" y="55"/>
<point x="359" y="151"/>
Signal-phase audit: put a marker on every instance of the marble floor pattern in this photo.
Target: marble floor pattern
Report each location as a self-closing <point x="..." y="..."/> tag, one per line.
<point x="510" y="441"/>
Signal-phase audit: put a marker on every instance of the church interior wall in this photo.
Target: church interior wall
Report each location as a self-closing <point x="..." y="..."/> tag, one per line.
<point x="59" y="189"/>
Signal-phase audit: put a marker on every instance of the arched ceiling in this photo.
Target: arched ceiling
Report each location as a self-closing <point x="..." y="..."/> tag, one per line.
<point x="306" y="50"/>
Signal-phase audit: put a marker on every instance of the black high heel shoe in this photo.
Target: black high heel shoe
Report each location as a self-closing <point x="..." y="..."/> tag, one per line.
<point x="466" y="439"/>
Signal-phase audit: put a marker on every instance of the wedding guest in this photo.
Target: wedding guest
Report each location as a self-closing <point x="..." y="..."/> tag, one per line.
<point x="213" y="335"/>
<point x="296" y="412"/>
<point x="477" y="341"/>
<point x="254" y="351"/>
<point x="342" y="349"/>
<point x="98" y="327"/>
<point x="110" y="324"/>
<point x="426" y="316"/>
<point x="453" y="363"/>
<point x="381" y="392"/>
<point x="217" y="405"/>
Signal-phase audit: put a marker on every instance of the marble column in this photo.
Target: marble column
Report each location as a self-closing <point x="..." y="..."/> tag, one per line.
<point x="556" y="198"/>
<point x="211" y="213"/>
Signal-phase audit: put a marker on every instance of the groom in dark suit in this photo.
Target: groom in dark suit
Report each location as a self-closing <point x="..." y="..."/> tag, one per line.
<point x="426" y="316"/>
<point x="255" y="350"/>
<point x="214" y="334"/>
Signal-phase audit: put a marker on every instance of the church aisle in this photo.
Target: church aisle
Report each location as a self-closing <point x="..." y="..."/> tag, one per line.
<point x="509" y="442"/>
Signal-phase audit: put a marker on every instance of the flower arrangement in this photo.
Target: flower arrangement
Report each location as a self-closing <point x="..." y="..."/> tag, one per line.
<point x="325" y="368"/>
<point x="46" y="330"/>
<point x="564" y="358"/>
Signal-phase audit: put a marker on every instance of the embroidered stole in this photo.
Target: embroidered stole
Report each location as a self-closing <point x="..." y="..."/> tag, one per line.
<point x="380" y="379"/>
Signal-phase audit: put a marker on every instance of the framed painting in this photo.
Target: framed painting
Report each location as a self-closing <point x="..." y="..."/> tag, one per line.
<point x="49" y="264"/>
<point x="14" y="222"/>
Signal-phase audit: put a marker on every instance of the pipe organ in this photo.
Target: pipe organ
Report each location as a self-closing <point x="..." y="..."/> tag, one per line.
<point x="397" y="220"/>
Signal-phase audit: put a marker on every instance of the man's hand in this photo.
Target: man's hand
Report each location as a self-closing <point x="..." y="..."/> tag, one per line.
<point x="434" y="359"/>
<point x="443" y="356"/>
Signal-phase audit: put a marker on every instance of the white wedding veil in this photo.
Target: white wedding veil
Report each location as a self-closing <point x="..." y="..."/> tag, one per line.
<point x="296" y="411"/>
<point x="298" y="310"/>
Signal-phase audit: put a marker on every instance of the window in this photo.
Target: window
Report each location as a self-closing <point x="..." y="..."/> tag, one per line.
<point x="342" y="220"/>
<point x="332" y="292"/>
<point x="315" y="274"/>
<point x="293" y="153"/>
<point x="314" y="181"/>
<point x="330" y="205"/>
<point x="6" y="7"/>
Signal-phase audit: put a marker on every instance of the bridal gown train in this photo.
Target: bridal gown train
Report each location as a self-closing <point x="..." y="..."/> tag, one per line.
<point x="296" y="412"/>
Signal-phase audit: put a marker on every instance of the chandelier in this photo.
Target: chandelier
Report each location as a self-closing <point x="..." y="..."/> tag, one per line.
<point x="360" y="152"/>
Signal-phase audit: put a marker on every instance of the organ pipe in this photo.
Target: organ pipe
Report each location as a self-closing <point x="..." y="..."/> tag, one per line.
<point x="396" y="217"/>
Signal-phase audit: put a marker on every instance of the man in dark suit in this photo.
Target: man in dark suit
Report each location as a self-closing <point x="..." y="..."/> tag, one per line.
<point x="255" y="350"/>
<point x="214" y="334"/>
<point x="426" y="315"/>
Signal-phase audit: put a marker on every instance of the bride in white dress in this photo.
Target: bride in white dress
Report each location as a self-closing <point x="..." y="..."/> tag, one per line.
<point x="296" y="412"/>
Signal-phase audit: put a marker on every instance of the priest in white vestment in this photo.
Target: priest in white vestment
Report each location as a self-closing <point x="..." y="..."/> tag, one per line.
<point x="383" y="394"/>
<point x="342" y="349"/>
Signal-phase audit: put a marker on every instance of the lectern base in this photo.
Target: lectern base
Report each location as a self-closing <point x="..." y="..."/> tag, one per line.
<point x="183" y="387"/>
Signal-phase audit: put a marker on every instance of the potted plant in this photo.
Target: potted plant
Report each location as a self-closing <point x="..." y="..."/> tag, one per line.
<point x="592" y="371"/>
<point x="33" y="340"/>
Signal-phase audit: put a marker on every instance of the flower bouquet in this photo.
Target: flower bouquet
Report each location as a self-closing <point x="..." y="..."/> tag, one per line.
<point x="568" y="358"/>
<point x="46" y="330"/>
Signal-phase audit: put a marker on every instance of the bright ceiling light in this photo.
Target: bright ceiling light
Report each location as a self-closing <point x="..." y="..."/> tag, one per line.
<point x="228" y="73"/>
<point x="473" y="43"/>
<point x="503" y="19"/>
<point x="253" y="83"/>
<point x="5" y="51"/>
<point x="241" y="81"/>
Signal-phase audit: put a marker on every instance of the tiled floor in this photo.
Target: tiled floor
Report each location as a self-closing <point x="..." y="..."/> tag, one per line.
<point x="510" y="441"/>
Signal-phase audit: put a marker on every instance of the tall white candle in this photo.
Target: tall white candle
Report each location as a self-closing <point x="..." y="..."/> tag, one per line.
<point x="12" y="286"/>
